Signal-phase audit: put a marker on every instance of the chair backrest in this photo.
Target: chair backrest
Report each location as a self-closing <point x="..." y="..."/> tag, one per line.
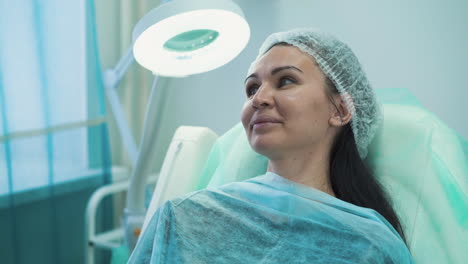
<point x="182" y="166"/>
<point x="422" y="164"/>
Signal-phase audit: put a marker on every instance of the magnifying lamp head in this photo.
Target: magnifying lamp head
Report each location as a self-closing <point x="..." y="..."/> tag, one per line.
<point x="186" y="37"/>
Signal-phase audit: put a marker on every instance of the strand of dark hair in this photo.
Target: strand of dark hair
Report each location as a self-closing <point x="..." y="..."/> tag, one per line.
<point x="352" y="181"/>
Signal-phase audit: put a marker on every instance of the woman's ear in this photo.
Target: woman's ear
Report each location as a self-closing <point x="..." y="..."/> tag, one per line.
<point x="341" y="115"/>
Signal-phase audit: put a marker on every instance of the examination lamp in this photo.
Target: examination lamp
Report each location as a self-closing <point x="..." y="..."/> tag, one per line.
<point x="179" y="38"/>
<point x="186" y="37"/>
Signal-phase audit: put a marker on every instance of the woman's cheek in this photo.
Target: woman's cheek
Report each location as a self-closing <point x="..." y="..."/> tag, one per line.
<point x="246" y="114"/>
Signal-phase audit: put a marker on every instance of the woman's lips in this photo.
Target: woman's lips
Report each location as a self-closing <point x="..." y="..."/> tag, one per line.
<point x="263" y="125"/>
<point x="262" y="122"/>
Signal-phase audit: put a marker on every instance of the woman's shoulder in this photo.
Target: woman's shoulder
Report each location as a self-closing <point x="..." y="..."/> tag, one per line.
<point x="204" y="197"/>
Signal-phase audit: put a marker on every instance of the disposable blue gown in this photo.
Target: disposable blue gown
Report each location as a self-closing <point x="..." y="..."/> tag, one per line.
<point x="267" y="219"/>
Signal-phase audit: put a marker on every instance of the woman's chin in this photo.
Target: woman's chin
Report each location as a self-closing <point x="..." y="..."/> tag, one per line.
<point x="264" y="147"/>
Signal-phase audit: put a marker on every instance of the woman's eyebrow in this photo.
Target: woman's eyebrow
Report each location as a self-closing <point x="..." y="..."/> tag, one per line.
<point x="275" y="71"/>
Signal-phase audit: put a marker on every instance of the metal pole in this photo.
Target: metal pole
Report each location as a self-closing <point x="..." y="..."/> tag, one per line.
<point x="135" y="208"/>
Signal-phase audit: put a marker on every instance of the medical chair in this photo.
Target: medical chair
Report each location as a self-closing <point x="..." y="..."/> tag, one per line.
<point x="420" y="161"/>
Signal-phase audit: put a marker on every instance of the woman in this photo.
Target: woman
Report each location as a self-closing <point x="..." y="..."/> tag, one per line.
<point x="312" y="113"/>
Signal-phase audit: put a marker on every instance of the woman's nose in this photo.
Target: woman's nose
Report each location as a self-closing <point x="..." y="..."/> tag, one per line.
<point x="263" y="97"/>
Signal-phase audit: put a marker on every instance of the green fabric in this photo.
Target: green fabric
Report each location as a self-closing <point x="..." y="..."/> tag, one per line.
<point x="274" y="220"/>
<point x="55" y="153"/>
<point x="421" y="162"/>
<point x="120" y="255"/>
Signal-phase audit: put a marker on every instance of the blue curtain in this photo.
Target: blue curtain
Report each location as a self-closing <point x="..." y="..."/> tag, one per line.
<point x="54" y="148"/>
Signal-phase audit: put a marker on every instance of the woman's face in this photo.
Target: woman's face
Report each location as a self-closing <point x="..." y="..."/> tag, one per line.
<point x="287" y="108"/>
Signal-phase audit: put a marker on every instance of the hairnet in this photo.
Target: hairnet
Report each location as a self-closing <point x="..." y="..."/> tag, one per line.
<point x="341" y="66"/>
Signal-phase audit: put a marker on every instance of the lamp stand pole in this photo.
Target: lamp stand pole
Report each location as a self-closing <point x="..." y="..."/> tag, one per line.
<point x="141" y="157"/>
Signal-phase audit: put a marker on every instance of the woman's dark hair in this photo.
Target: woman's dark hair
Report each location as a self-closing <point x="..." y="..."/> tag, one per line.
<point x="352" y="181"/>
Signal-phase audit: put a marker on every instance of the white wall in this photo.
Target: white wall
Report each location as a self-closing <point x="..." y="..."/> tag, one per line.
<point x="419" y="45"/>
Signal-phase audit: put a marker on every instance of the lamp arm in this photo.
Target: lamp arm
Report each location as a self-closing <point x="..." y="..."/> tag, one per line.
<point x="115" y="75"/>
<point x="112" y="78"/>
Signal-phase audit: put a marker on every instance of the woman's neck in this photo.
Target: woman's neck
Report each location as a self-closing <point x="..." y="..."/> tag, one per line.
<point x="310" y="169"/>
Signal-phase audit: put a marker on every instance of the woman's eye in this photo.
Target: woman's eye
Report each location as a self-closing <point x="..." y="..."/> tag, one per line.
<point x="286" y="81"/>
<point x="251" y="90"/>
